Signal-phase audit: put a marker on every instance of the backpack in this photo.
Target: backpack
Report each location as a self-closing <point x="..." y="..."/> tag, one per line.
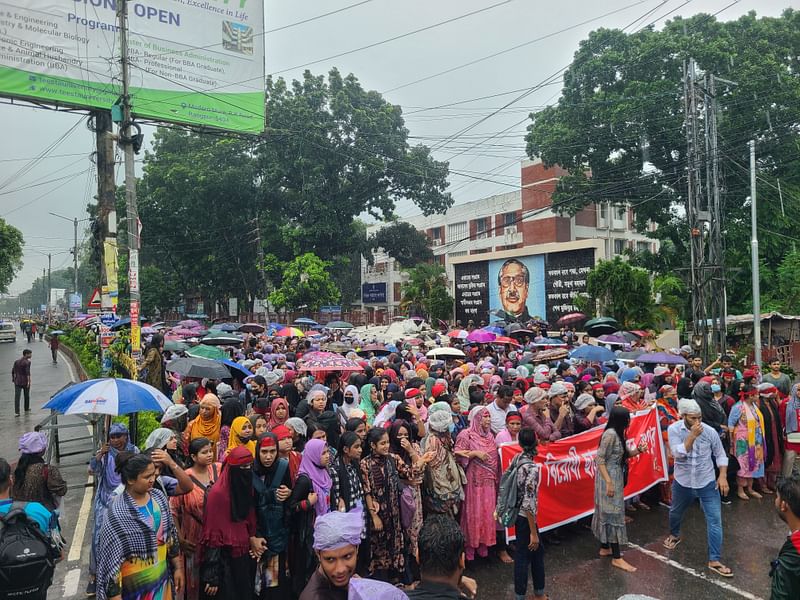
<point x="508" y="500"/>
<point x="27" y="556"/>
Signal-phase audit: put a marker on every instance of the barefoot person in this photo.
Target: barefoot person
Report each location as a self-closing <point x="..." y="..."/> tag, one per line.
<point x="608" y="522"/>
<point x="696" y="447"/>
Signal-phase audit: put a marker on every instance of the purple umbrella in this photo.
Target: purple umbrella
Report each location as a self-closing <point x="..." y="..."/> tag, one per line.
<point x="613" y="339"/>
<point x="481" y="336"/>
<point x="662" y="358"/>
<point x="189" y="323"/>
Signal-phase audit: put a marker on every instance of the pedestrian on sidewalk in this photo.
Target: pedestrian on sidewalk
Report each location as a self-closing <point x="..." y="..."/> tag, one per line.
<point x="695" y="446"/>
<point x="54" y="344"/>
<point x="34" y="480"/>
<point x="21" y="376"/>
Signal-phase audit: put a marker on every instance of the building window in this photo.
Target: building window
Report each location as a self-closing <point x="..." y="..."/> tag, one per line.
<point x="398" y="294"/>
<point x="619" y="246"/>
<point x="603" y="211"/>
<point x="436" y="236"/>
<point x="642" y="246"/>
<point x="457" y="232"/>
<point x="481" y="228"/>
<point x="509" y="218"/>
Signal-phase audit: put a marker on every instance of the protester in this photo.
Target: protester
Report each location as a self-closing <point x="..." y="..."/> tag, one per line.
<point x="34" y="480"/>
<point x="747" y="435"/>
<point x="21" y="378"/>
<point x="530" y="552"/>
<point x="443" y="484"/>
<point x="140" y="556"/>
<point x="337" y="536"/>
<point x="696" y="447"/>
<point x="785" y="571"/>
<point x="773" y="436"/>
<point x="608" y="522"/>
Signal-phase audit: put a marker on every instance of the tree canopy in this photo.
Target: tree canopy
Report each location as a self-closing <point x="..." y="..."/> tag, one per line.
<point x="11" y="243"/>
<point x="619" y="290"/>
<point x="306" y="284"/>
<point x="403" y="242"/>
<point x="618" y="129"/>
<point x="427" y="291"/>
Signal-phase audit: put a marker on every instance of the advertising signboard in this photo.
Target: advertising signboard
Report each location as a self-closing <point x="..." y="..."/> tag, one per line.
<point x="373" y="293"/>
<point x="520" y="288"/>
<point x="199" y="63"/>
<point x="75" y="301"/>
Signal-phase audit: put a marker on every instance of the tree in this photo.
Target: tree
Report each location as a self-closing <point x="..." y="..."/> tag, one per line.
<point x="11" y="243"/>
<point x="621" y="291"/>
<point x="427" y="290"/>
<point x="403" y="242"/>
<point x="306" y="284"/>
<point x="160" y="293"/>
<point x="618" y="129"/>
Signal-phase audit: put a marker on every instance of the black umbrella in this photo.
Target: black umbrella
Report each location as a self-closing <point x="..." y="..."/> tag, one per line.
<point x="601" y="326"/>
<point x="198" y="367"/>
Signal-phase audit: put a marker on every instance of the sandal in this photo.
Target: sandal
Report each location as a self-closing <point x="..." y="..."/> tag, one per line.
<point x="721" y="570"/>
<point x="671" y="542"/>
<point x="642" y="506"/>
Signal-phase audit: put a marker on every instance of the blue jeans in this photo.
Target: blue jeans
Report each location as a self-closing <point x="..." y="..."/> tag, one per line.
<point x="524" y="557"/>
<point x="682" y="498"/>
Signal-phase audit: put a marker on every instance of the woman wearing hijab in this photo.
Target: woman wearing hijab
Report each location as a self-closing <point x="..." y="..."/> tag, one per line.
<point x="369" y="402"/>
<point x="349" y="402"/>
<point x="241" y="435"/>
<point x="152" y="369"/>
<point x="271" y="485"/>
<point x="443" y="484"/>
<point x="208" y="422"/>
<point x="286" y="450"/>
<point x="667" y="406"/>
<point x="229" y="531"/>
<point x="230" y="410"/>
<point x="773" y="436"/>
<point x="746" y="424"/>
<point x="477" y="453"/>
<point x="187" y="510"/>
<point x="310" y="498"/>
<point x="141" y="553"/>
<point x="104" y="467"/>
<point x="35" y="481"/>
<point x="790" y="411"/>
<point x="465" y="393"/>
<point x="278" y="413"/>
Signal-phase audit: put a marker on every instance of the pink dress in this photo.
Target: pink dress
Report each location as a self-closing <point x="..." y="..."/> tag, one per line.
<point x="480" y="492"/>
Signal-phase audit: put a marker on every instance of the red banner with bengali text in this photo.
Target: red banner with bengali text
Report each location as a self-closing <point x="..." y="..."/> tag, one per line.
<point x="566" y="490"/>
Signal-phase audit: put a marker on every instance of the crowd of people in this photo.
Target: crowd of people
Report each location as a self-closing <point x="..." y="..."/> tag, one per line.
<point x="285" y="484"/>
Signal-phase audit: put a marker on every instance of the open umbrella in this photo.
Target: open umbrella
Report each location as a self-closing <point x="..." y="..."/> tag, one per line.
<point x="495" y="329"/>
<point x="549" y="342"/>
<point x="123" y="322"/>
<point x="445" y="352"/>
<point x="613" y="339"/>
<point x="591" y="353"/>
<point x="234" y="366"/>
<point x="328" y="361"/>
<point x="210" y="352"/>
<point x="57" y="332"/>
<point x="460" y="334"/>
<point x="601" y="325"/>
<point x="252" y="328"/>
<point x="312" y="333"/>
<point x="108" y="396"/>
<point x="506" y="340"/>
<point x="289" y="332"/>
<point x="628" y="336"/>
<point x="339" y="325"/>
<point x="306" y="321"/>
<point x="481" y="336"/>
<point x="198" y="367"/>
<point x="550" y="354"/>
<point x="339" y="347"/>
<point x="661" y="358"/>
<point x="414" y="341"/>
<point x="189" y="323"/>
<point x="518" y="333"/>
<point x="631" y="355"/>
<point x="571" y="319"/>
<point x="175" y="346"/>
<point x="226" y="327"/>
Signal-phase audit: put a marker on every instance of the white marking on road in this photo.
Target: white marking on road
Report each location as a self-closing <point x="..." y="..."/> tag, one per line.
<point x="673" y="563"/>
<point x="71" y="581"/>
<point x="81" y="524"/>
<point x="73" y="376"/>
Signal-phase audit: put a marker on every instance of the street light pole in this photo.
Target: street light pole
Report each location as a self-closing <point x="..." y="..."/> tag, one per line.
<point x="74" y="222"/>
<point x="754" y="258"/>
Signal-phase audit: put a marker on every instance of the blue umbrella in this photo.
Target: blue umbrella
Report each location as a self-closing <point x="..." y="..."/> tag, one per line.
<point x="495" y="329"/>
<point x="661" y="358"/>
<point x="108" y="396"/>
<point x="226" y="327"/>
<point x="124" y="322"/>
<point x="305" y="321"/>
<point x="236" y="366"/>
<point x="591" y="353"/>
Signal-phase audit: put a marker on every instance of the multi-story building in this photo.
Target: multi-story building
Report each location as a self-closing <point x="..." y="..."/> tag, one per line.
<point x="503" y="225"/>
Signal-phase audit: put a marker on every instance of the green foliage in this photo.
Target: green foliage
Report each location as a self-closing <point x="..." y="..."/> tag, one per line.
<point x="674" y="299"/>
<point x="621" y="291"/>
<point x="427" y="291"/>
<point x="403" y="242"/>
<point x="146" y="423"/>
<point x="10" y="254"/>
<point x="84" y="344"/>
<point x="622" y="105"/>
<point x="305" y="283"/>
<point x="785" y="297"/>
<point x="160" y="292"/>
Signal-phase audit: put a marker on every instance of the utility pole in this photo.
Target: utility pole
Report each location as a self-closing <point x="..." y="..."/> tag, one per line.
<point x="126" y="140"/>
<point x="49" y="283"/>
<point x="754" y="257"/>
<point x="44" y="289"/>
<point x="105" y="228"/>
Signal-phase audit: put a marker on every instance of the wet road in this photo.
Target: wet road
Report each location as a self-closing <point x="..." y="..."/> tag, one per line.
<point x="753" y="533"/>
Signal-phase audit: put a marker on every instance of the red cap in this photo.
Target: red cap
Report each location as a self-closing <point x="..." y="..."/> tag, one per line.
<point x="438" y="389"/>
<point x="281" y="432"/>
<point x="412" y="393"/>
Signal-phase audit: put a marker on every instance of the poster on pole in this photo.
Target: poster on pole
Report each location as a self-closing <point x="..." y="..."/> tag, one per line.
<point x="195" y="62"/>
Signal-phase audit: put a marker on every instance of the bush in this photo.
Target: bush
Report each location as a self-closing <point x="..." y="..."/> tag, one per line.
<point x="84" y="344"/>
<point x="148" y="421"/>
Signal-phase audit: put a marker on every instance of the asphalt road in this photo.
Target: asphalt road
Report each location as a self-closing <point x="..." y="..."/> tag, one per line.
<point x="752" y="531"/>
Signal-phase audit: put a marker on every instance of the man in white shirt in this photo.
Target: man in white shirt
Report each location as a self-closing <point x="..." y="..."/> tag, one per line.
<point x="696" y="447"/>
<point x="501" y="407"/>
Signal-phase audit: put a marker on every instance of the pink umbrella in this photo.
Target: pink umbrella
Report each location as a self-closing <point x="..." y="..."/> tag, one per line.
<point x="481" y="336"/>
<point x="460" y="334"/>
<point x="328" y="361"/>
<point x="183" y="332"/>
<point x="189" y="323"/>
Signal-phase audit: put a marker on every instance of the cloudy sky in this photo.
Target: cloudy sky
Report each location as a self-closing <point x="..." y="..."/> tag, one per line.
<point x="531" y="41"/>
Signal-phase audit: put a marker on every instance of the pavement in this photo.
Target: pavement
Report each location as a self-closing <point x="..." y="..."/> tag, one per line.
<point x="46" y="379"/>
<point x="752" y="531"/>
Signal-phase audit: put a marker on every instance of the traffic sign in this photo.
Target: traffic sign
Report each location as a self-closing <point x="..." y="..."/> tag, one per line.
<point x="94" y="299"/>
<point x="108" y="318"/>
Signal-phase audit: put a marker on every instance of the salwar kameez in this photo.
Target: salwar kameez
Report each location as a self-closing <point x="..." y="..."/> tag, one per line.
<point x="608" y="521"/>
<point x="747" y="438"/>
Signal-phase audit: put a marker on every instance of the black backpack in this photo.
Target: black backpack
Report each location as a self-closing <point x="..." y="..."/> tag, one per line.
<point x="27" y="556"/>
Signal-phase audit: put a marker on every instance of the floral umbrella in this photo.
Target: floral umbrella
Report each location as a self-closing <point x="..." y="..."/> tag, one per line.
<point x="328" y="361"/>
<point x="506" y="340"/>
<point x="460" y="334"/>
<point x="289" y="332"/>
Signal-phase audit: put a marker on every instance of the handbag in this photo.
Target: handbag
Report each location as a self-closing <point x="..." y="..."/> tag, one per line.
<point x="408" y="501"/>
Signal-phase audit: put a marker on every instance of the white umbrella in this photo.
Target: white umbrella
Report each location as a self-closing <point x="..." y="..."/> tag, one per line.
<point x="445" y="353"/>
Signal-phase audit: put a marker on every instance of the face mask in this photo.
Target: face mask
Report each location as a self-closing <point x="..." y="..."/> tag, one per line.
<point x="715" y="388"/>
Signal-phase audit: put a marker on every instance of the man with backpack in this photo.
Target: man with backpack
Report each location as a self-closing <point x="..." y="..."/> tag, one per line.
<point x="29" y="546"/>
